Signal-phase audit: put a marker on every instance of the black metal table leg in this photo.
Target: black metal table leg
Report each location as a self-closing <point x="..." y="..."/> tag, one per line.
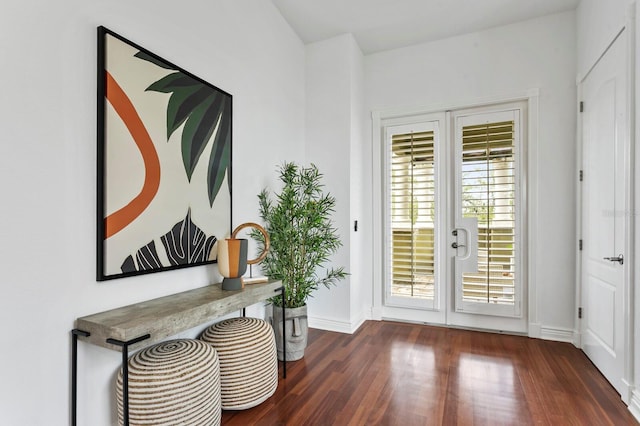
<point x="284" y="336"/>
<point x="125" y="371"/>
<point x="74" y="372"/>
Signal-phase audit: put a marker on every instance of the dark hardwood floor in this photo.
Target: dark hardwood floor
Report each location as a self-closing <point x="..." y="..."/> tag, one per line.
<point x="391" y="373"/>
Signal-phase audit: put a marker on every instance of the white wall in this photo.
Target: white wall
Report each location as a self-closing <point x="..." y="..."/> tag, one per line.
<point x="333" y="143"/>
<point x="503" y="61"/>
<point x="48" y="172"/>
<point x="360" y="198"/>
<point x="598" y="22"/>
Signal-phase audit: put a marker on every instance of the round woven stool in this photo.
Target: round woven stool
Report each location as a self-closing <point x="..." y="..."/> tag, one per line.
<point x="246" y="349"/>
<point x="172" y="383"/>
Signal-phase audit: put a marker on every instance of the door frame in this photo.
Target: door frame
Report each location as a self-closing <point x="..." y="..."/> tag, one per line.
<point x="628" y="32"/>
<point x="529" y="182"/>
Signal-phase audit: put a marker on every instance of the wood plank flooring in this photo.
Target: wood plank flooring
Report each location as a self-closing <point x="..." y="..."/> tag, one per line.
<point x="391" y="373"/>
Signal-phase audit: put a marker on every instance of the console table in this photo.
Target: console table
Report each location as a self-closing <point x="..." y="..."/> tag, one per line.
<point x="142" y="324"/>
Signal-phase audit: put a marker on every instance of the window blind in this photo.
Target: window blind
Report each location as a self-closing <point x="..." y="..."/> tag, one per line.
<point x="488" y="194"/>
<point x="412" y="187"/>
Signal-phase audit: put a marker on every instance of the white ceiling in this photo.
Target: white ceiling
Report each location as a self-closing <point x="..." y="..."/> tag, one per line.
<point x="388" y="24"/>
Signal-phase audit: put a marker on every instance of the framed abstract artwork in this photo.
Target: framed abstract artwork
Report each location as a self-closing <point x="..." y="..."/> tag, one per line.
<point x="164" y="163"/>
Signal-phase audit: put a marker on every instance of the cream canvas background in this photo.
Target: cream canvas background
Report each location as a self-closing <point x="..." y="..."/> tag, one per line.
<point x="125" y="168"/>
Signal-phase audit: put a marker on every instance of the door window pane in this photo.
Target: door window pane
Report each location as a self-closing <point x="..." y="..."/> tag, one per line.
<point x="412" y="215"/>
<point x="488" y="194"/>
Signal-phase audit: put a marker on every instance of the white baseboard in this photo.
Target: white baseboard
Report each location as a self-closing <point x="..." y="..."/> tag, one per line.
<point x="337" y="326"/>
<point x="376" y="314"/>
<point x="577" y="339"/>
<point x="557" y="334"/>
<point x="355" y="325"/>
<point x="539" y="331"/>
<point x="634" y="406"/>
<point x="535" y="330"/>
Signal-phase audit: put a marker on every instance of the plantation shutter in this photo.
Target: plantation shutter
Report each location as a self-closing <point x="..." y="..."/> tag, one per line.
<point x="488" y="194"/>
<point x="412" y="212"/>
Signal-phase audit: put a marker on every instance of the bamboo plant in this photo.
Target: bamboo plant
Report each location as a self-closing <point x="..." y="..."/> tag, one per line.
<point x="302" y="235"/>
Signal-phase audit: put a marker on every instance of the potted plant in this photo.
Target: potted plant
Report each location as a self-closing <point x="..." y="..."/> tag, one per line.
<point x="302" y="236"/>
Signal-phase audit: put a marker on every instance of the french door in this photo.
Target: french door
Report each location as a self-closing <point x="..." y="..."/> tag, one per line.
<point x="453" y="207"/>
<point x="414" y="213"/>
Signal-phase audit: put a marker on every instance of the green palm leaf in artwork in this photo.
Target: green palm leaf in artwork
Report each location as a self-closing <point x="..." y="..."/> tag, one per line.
<point x="204" y="111"/>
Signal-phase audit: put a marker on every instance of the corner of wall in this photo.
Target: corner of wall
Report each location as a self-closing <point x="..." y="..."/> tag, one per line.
<point x="577" y="339"/>
<point x="535" y="330"/>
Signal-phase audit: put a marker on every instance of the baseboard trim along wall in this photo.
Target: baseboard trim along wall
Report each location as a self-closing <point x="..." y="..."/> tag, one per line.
<point x="557" y="334"/>
<point x="634" y="406"/>
<point x="535" y="330"/>
<point x="337" y="326"/>
<point x="577" y="339"/>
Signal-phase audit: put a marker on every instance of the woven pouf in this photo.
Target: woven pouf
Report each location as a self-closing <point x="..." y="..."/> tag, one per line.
<point x="173" y="383"/>
<point x="248" y="361"/>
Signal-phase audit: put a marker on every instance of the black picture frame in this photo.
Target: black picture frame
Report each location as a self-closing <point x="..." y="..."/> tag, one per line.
<point x="164" y="157"/>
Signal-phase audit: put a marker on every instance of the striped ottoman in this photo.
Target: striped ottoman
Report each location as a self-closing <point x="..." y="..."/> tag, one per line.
<point x="172" y="383"/>
<point x="246" y="349"/>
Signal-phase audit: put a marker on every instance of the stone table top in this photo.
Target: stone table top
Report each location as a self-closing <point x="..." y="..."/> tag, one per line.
<point x="169" y="315"/>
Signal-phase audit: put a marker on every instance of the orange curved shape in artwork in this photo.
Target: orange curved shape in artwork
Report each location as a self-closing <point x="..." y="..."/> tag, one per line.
<point x="121" y="103"/>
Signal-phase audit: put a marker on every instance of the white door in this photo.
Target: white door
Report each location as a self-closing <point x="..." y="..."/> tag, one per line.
<point x="605" y="207"/>
<point x="414" y="219"/>
<point x="487" y="209"/>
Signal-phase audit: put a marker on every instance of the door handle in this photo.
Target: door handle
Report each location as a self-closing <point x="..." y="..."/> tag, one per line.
<point x="619" y="259"/>
<point x="466" y="233"/>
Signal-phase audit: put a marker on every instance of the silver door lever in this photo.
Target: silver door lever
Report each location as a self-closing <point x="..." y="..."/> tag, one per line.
<point x="456" y="245"/>
<point x="619" y="259"/>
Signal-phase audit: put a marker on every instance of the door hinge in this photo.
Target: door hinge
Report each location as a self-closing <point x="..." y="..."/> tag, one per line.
<point x="579" y="312"/>
<point x="581" y="106"/>
<point x="580" y="245"/>
<point x="581" y="175"/>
